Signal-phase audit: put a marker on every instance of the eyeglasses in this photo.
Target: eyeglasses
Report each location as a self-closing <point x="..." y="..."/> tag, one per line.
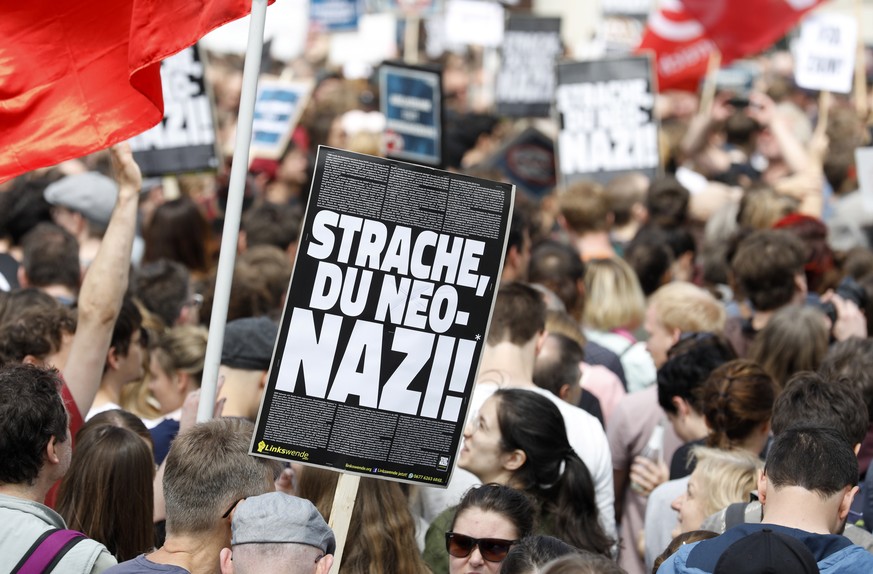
<point x="492" y="549"/>
<point x="232" y="506"/>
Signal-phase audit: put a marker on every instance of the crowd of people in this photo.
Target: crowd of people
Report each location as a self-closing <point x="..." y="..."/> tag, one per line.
<point x="677" y="375"/>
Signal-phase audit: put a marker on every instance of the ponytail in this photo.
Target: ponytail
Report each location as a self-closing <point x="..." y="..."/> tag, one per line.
<point x="552" y="473"/>
<point x="572" y="504"/>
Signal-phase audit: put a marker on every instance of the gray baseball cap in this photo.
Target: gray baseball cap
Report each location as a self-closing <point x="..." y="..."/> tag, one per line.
<point x="277" y="517"/>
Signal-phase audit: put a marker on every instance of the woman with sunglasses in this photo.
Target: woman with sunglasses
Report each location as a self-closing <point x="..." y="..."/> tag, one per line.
<point x="487" y="522"/>
<point x="518" y="438"/>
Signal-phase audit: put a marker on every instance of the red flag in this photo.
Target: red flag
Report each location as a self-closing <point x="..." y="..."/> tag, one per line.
<point x="743" y="27"/>
<point x="681" y="48"/>
<point x="77" y="77"/>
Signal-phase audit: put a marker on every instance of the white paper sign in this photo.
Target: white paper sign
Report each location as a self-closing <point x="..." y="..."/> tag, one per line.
<point x="825" y="57"/>
<point x="373" y="42"/>
<point x="864" y="167"/>
<point x="474" y="22"/>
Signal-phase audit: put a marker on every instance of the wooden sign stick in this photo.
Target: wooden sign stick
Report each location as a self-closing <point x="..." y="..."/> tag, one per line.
<point x="707" y="95"/>
<point x="410" y="39"/>
<point x="824" y="105"/>
<point x="341" y="514"/>
<point x="860" y="95"/>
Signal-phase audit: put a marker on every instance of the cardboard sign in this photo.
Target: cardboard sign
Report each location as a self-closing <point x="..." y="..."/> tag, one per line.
<point x="606" y="115"/>
<point x="385" y="319"/>
<point x="335" y="15"/>
<point x="528" y="161"/>
<point x="825" y="57"/>
<point x="185" y="140"/>
<point x="525" y="85"/>
<point x="278" y="107"/>
<point x="411" y="101"/>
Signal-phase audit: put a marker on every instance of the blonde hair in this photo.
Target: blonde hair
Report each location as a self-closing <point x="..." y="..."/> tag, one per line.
<point x="687" y="307"/>
<point x="182" y="348"/>
<point x="614" y="297"/>
<point x="762" y="206"/>
<point x="725" y="476"/>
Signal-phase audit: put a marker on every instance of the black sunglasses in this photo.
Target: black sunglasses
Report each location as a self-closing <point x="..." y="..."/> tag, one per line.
<point x="492" y="549"/>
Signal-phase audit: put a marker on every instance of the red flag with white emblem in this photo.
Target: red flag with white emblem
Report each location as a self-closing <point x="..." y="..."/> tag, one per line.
<point x="680" y="45"/>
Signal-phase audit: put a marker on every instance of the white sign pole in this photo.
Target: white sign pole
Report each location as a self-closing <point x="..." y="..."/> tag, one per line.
<point x="233" y="211"/>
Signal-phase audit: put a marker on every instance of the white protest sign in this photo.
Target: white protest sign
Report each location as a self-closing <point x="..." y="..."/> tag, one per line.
<point x="864" y="169"/>
<point x="373" y="42"/>
<point x="386" y="318"/>
<point x="825" y="53"/>
<point x="476" y="22"/>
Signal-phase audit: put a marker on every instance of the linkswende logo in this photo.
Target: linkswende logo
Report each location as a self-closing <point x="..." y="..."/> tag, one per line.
<point x="273" y="449"/>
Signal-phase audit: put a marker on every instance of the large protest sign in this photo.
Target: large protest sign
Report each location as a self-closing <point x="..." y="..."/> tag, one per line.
<point x="411" y="100"/>
<point x="185" y="139"/>
<point x="606" y="115"/>
<point x="278" y="107"/>
<point x="525" y="84"/>
<point x="825" y="55"/>
<point x="385" y="319"/>
<point x="528" y="161"/>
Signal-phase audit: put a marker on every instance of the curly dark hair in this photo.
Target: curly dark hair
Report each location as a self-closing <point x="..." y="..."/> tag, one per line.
<point x="31" y="413"/>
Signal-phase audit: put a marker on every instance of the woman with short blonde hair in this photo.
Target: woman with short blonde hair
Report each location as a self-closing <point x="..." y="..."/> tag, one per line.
<point x="721" y="478"/>
<point x="614" y="307"/>
<point x="614" y="298"/>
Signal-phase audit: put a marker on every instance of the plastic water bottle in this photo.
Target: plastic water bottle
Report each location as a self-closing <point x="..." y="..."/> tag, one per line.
<point x="654" y="450"/>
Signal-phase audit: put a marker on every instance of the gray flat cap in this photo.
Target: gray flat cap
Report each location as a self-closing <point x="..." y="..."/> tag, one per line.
<point x="248" y="343"/>
<point x="277" y="517"/>
<point x="91" y="194"/>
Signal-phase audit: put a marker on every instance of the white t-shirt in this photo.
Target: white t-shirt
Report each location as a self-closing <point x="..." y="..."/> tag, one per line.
<point x="585" y="435"/>
<point x="100" y="409"/>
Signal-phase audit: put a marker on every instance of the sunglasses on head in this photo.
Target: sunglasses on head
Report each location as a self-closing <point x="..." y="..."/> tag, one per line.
<point x="492" y="549"/>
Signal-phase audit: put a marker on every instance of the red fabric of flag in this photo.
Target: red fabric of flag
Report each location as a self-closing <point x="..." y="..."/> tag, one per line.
<point x="681" y="48"/>
<point x="743" y="27"/>
<point x="77" y="77"/>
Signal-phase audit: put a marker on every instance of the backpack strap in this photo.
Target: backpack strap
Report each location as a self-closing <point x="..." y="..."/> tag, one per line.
<point x="47" y="551"/>
<point x="735" y="515"/>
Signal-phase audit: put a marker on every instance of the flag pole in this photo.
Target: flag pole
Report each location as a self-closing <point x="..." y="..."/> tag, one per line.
<point x="233" y="211"/>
